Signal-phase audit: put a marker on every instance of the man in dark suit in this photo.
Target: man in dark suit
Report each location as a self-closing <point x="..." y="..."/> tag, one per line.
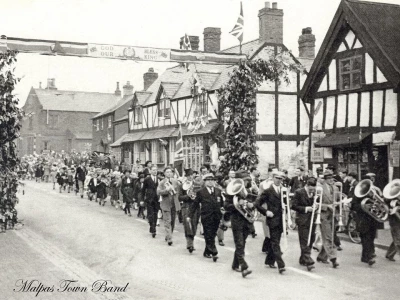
<point x="302" y="203"/>
<point x="272" y="198"/>
<point x="211" y="202"/>
<point x="299" y="181"/>
<point x="241" y="227"/>
<point x="151" y="199"/>
<point x="352" y="180"/>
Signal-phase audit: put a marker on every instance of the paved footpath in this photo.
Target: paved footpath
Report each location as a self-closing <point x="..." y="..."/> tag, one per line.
<point x="66" y="237"/>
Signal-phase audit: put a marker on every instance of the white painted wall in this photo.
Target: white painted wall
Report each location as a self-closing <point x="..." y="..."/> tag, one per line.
<point x="330" y="112"/>
<point x="391" y="108"/>
<point x="287" y="112"/>
<point x="369" y="69"/>
<point x="332" y="75"/>
<point x="377" y="105"/>
<point x="286" y="150"/>
<point x="318" y="114"/>
<point x="341" y="112"/>
<point x="266" y="114"/>
<point x="365" y="106"/>
<point x="266" y="153"/>
<point x="304" y="120"/>
<point x="353" y="105"/>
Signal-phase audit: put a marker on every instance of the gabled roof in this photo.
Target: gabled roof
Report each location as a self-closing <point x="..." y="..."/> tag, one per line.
<point x="115" y="106"/>
<point x="141" y="97"/>
<point x="170" y="88"/>
<point x="377" y="26"/>
<point x="248" y="48"/>
<point x="73" y="100"/>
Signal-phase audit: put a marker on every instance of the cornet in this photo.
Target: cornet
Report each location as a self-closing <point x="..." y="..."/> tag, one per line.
<point x="318" y="196"/>
<point x="172" y="189"/>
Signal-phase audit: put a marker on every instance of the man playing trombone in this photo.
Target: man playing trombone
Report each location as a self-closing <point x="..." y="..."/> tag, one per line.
<point x="304" y="203"/>
<point x="327" y="214"/>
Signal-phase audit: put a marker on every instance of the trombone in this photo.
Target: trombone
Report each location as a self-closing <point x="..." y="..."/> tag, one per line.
<point x="286" y="214"/>
<point x="336" y="195"/>
<point x="318" y="196"/>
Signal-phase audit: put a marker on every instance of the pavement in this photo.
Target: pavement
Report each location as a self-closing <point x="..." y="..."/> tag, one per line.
<point x="69" y="238"/>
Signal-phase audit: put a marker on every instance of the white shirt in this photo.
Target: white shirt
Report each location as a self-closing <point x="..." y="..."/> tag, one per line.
<point x="210" y="190"/>
<point x="154" y="178"/>
<point x="277" y="189"/>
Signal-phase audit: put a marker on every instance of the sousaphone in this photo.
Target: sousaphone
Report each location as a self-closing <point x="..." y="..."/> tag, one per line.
<point x="392" y="192"/>
<point x="236" y="188"/>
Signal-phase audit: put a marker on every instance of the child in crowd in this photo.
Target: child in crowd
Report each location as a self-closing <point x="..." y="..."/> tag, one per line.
<point x="62" y="178"/>
<point x="71" y="173"/>
<point x="114" y="186"/>
<point x="102" y="190"/>
<point x="53" y="174"/>
<point x="87" y="180"/>
<point x="92" y="187"/>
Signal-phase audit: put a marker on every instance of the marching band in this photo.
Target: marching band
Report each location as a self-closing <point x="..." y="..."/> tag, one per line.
<point x="213" y="203"/>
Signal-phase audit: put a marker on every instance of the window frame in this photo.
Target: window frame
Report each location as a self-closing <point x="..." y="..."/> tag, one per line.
<point x="163" y="109"/>
<point x="97" y="124"/>
<point x="102" y="123"/>
<point x="160" y="154"/>
<point x="351" y="56"/>
<point x="137" y="115"/>
<point x="109" y="121"/>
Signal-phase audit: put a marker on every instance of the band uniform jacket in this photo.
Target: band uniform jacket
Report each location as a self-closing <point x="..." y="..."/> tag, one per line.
<point x="168" y="200"/>
<point x="299" y="203"/>
<point x="352" y="187"/>
<point x="364" y="222"/>
<point x="274" y="204"/>
<point x="232" y="210"/>
<point x="149" y="190"/>
<point x="92" y="186"/>
<point x="211" y="204"/>
<point x="297" y="183"/>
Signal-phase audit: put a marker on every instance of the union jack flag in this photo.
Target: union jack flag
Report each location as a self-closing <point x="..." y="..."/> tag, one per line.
<point x="237" y="30"/>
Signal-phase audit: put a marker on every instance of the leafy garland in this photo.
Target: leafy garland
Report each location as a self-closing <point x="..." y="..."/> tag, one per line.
<point x="238" y="105"/>
<point x="10" y="116"/>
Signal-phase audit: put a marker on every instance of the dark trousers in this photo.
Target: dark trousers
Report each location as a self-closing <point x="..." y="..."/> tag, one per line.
<point x="210" y="227"/>
<point x="367" y="242"/>
<point x="266" y="245"/>
<point x="152" y="211"/>
<point x="305" y="256"/>
<point x="127" y="208"/>
<point x="241" y="229"/>
<point x="275" y="255"/>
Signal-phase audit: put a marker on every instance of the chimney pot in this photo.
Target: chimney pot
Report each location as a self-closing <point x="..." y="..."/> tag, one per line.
<point x="306" y="43"/>
<point x="127" y="89"/>
<point x="117" y="90"/>
<point x="212" y="39"/>
<point x="268" y="4"/>
<point x="274" y="5"/>
<point x="149" y="78"/>
<point x="51" y="84"/>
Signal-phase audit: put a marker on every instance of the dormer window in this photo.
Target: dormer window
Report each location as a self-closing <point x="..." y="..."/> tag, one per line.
<point x="137" y="115"/>
<point x="164" y="109"/>
<point x="350" y="69"/>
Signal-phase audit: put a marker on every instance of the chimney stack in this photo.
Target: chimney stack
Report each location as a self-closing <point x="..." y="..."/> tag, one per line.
<point x="51" y="84"/>
<point x="40" y="85"/>
<point x="271" y="24"/>
<point x="307" y="43"/>
<point x="194" y="42"/>
<point x="149" y="78"/>
<point x="212" y="39"/>
<point x="117" y="90"/>
<point x="127" y="89"/>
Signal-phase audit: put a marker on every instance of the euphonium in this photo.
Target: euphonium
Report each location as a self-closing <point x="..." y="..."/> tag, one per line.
<point x="188" y="187"/>
<point x="392" y="192"/>
<point x="236" y="188"/>
<point x="373" y="205"/>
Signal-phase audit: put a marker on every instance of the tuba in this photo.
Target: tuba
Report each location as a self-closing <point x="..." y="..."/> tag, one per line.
<point x="236" y="188"/>
<point x="392" y="192"/>
<point x="374" y="205"/>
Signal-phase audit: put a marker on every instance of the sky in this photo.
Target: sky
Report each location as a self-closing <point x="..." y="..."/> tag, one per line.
<point x="150" y="23"/>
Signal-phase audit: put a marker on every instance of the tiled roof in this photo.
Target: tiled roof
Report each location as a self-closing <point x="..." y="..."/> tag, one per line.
<point x="247" y="48"/>
<point x="207" y="79"/>
<point x="203" y="130"/>
<point x="170" y="88"/>
<point x="124" y="118"/>
<point x="115" y="106"/>
<point x="118" y="142"/>
<point x="141" y="96"/>
<point x="74" y="100"/>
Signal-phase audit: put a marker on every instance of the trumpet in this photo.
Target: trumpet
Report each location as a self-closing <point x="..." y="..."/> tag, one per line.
<point x="374" y="204"/>
<point x="318" y="196"/>
<point x="392" y="192"/>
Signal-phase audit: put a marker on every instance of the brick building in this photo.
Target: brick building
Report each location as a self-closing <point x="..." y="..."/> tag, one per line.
<point x="60" y="120"/>
<point x="181" y="93"/>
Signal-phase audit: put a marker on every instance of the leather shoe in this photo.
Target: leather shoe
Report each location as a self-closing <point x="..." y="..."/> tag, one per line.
<point x="246" y="272"/>
<point x="322" y="261"/>
<point x="371" y="262"/>
<point x="207" y="255"/>
<point x="190" y="249"/>
<point x="390" y="258"/>
<point x="214" y="258"/>
<point x="339" y="248"/>
<point x="272" y="266"/>
<point x="170" y="243"/>
<point x="221" y="243"/>
<point x="236" y="269"/>
<point x="334" y="263"/>
<point x="153" y="235"/>
<point x="310" y="267"/>
<point x="254" y="235"/>
<point x="281" y="270"/>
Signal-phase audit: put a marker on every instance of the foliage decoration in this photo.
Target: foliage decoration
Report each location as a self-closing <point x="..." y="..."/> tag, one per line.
<point x="237" y="100"/>
<point x="10" y="116"/>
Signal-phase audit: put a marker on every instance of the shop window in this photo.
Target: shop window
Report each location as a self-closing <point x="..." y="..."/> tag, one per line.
<point x="138" y="115"/>
<point x="160" y="152"/>
<point x="193" y="152"/>
<point x="164" y="109"/>
<point x="142" y="152"/>
<point x="353" y="160"/>
<point x="203" y="105"/>
<point x="350" y="73"/>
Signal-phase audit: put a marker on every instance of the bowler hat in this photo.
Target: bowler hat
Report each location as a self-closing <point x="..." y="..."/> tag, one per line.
<point x="209" y="176"/>
<point x="328" y="174"/>
<point x="353" y="174"/>
<point x="188" y="172"/>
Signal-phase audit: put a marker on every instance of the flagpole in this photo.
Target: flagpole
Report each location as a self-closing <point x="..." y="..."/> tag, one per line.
<point x="240" y="47"/>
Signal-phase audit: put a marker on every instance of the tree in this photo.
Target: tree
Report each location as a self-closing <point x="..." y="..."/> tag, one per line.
<point x="10" y="116"/>
<point x="238" y="105"/>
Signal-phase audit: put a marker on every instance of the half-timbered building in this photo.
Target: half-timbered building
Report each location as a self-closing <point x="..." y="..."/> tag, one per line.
<point x="188" y="92"/>
<point x="352" y="88"/>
